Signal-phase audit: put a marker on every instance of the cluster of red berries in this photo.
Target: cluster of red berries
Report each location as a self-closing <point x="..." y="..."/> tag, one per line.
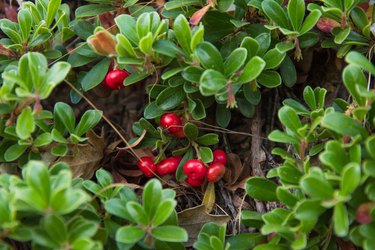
<point x="195" y="170"/>
<point x="115" y="79"/>
<point x="165" y="167"/>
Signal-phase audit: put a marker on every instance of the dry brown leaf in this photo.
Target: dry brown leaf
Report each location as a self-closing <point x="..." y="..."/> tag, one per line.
<point x="192" y="219"/>
<point x="85" y="158"/>
<point x="237" y="174"/>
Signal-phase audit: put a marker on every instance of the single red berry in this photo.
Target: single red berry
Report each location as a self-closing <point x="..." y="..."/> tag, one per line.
<point x="220" y="156"/>
<point x="147" y="166"/>
<point x="115" y="78"/>
<point x="194" y="182"/>
<point x="195" y="169"/>
<point x="168" y="165"/>
<point x="173" y="123"/>
<point x="215" y="171"/>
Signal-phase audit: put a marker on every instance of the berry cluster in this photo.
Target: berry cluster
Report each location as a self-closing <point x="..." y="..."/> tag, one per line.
<point x="165" y="167"/>
<point x="195" y="170"/>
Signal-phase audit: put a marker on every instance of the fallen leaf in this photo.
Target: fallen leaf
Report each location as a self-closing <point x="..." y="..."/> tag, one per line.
<point x="192" y="219"/>
<point x="209" y="197"/>
<point x="134" y="144"/>
<point x="85" y="158"/>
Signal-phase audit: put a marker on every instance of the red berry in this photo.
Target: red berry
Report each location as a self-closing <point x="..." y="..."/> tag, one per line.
<point x="215" y="171"/>
<point x="220" y="156"/>
<point x="168" y="165"/>
<point x="195" y="169"/>
<point x="173" y="123"/>
<point x="194" y="182"/>
<point x="147" y="166"/>
<point x="115" y="78"/>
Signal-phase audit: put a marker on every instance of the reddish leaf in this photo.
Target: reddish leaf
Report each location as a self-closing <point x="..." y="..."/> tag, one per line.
<point x="326" y="24"/>
<point x="198" y="15"/>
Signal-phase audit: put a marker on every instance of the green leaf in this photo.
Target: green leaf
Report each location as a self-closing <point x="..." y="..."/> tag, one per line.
<point x="53" y="6"/>
<point x="246" y="241"/>
<point x="88" y="121"/>
<point x="152" y="111"/>
<point x="273" y="58"/>
<point x="342" y="35"/>
<point x="167" y="48"/>
<point x="25" y="124"/>
<point x="348" y="126"/>
<point x="209" y="56"/>
<point x="83" y="29"/>
<point x="288" y="72"/>
<point x="261" y="189"/>
<point x="296" y="12"/>
<point x="340" y="220"/>
<point x="163" y="212"/>
<point x="276" y="13"/>
<point x="310" y="21"/>
<point x="60" y="150"/>
<point x="211" y="82"/>
<point x="145" y="44"/>
<point x="223" y="115"/>
<point x="206" y="154"/>
<point x="126" y="24"/>
<point x="317" y="187"/>
<point x="170" y="98"/>
<point x="55" y="75"/>
<point x="370" y="145"/>
<point x="191" y="131"/>
<point x="56" y="228"/>
<point x="143" y="25"/>
<point x="151" y="197"/>
<point x="252" y="70"/>
<point x="96" y="75"/>
<point x="66" y="115"/>
<point x="309" y="97"/>
<point x="25" y="22"/>
<point x="136" y="77"/>
<point x="269" y="79"/>
<point x="129" y="234"/>
<point x="137" y="212"/>
<point x="235" y="61"/>
<point x="279" y="136"/>
<point x="351" y="177"/>
<point x="361" y="61"/>
<point x="92" y="10"/>
<point x="176" y="4"/>
<point x="182" y="32"/>
<point x="43" y="139"/>
<point x="170" y="234"/>
<point x="208" y="139"/>
<point x="290" y="119"/>
<point x="251" y="45"/>
<point x="14" y="152"/>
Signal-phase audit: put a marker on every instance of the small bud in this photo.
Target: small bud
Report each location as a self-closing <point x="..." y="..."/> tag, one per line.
<point x="103" y="43"/>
